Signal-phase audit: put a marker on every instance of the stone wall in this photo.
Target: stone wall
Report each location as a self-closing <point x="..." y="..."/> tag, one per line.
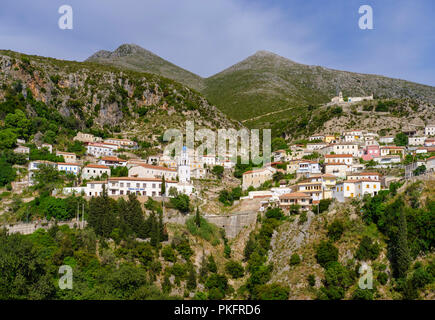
<point x="233" y="223"/>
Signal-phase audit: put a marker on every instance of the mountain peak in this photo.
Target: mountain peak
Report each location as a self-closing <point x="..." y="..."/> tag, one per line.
<point x="128" y="49"/>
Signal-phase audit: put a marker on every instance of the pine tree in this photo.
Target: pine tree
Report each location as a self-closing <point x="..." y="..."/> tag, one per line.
<point x="402" y="254"/>
<point x="197" y="218"/>
<point x="155" y="231"/>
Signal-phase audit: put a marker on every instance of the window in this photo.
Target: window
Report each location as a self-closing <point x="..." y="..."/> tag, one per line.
<point x="347" y="188"/>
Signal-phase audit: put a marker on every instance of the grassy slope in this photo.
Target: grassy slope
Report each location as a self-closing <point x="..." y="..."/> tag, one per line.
<point x="266" y="82"/>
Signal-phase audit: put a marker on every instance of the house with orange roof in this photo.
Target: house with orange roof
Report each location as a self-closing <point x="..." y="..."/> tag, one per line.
<point x="112" y="161"/>
<point x="150" y="171"/>
<point x="294" y="198"/>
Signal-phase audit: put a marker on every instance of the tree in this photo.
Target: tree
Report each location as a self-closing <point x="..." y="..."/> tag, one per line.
<point x="181" y="202"/>
<point x="8" y="138"/>
<point x="211" y="265"/>
<point x="131" y="216"/>
<point x="419" y="170"/>
<point x="402" y="256"/>
<point x="46" y="178"/>
<point x="191" y="278"/>
<point x="401" y="139"/>
<point x="218" y="171"/>
<point x="163" y="186"/>
<point x="279" y="143"/>
<point x="102" y="214"/>
<point x="7" y="172"/>
<point x="197" y="218"/>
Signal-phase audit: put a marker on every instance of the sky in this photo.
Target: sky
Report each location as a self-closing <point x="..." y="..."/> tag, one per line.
<point x="207" y="36"/>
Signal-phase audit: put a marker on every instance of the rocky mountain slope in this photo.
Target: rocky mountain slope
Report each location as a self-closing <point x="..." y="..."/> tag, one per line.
<point x="133" y="57"/>
<point x="265" y="83"/>
<point x="87" y="96"/>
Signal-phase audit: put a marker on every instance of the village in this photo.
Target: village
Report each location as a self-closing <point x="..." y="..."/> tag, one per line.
<point x="336" y="167"/>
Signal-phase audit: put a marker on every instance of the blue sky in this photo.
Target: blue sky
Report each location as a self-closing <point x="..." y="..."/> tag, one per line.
<point x="207" y="36"/>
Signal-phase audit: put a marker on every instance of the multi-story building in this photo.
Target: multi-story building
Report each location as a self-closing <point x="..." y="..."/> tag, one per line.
<point x="350" y="189"/>
<point x="256" y="178"/>
<point x="429" y="130"/>
<point x="392" y="150"/>
<point x="339" y="170"/>
<point x="122" y="143"/>
<point x="86" y="137"/>
<point x="150" y="171"/>
<point x="111" y="161"/>
<point x="307" y="168"/>
<point x="295" y="198"/>
<point x="339" y="158"/>
<point x="370" y="152"/>
<point x="73" y="168"/>
<point x="101" y="149"/>
<point x="121" y="186"/>
<point x="69" y="157"/>
<point x="416" y="141"/>
<point x="364" y="175"/>
<point x="93" y="171"/>
<point x="316" y="146"/>
<point x="346" y="148"/>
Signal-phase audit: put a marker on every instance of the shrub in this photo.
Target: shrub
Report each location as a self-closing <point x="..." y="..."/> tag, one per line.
<point x="234" y="269"/>
<point x="168" y="254"/>
<point x="382" y="278"/>
<point x="295" y="259"/>
<point x="367" y="250"/>
<point x="335" y="230"/>
<point x="311" y="280"/>
<point x="326" y="252"/>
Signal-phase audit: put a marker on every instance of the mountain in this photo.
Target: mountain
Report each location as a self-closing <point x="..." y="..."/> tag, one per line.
<point x="134" y="57"/>
<point x="266" y="82"/>
<point x="267" y="90"/>
<point x="90" y="97"/>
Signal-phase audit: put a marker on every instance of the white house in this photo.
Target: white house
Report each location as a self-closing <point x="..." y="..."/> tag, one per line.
<point x="150" y="171"/>
<point x="101" y="149"/>
<point x="307" y="168"/>
<point x="364" y="175"/>
<point x="316" y="146"/>
<point x="350" y="189"/>
<point x="416" y="141"/>
<point x="386" y="140"/>
<point x="429" y="130"/>
<point x="22" y="150"/>
<point x="94" y="171"/>
<point x="339" y="158"/>
<point x="346" y="148"/>
<point x="73" y="168"/>
<point x="316" y="137"/>
<point x="122" y="143"/>
<point x="340" y="170"/>
<point x="111" y="161"/>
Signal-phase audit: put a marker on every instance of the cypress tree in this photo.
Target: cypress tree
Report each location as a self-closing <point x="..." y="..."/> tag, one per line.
<point x="197" y="218"/>
<point x="402" y="254"/>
